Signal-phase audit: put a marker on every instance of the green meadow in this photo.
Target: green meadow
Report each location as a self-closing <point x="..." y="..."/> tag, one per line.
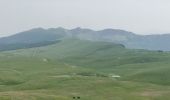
<point x="88" y="70"/>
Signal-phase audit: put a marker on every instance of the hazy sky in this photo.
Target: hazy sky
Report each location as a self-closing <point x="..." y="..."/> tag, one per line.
<point x="139" y="16"/>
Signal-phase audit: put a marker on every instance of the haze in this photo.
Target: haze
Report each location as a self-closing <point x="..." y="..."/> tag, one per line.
<point x="139" y="16"/>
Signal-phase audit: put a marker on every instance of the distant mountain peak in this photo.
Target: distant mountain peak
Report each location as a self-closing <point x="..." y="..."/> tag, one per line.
<point x="80" y="30"/>
<point x="37" y="29"/>
<point x="116" y="31"/>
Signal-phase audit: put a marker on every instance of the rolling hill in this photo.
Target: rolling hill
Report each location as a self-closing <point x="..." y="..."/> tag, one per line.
<point x="90" y="70"/>
<point x="99" y="55"/>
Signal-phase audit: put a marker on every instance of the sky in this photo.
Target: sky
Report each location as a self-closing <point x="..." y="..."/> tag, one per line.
<point x="138" y="16"/>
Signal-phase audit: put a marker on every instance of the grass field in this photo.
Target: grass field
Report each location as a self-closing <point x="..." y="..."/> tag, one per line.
<point x="89" y="70"/>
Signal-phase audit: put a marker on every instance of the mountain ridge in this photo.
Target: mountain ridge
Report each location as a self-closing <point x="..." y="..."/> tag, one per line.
<point x="129" y="39"/>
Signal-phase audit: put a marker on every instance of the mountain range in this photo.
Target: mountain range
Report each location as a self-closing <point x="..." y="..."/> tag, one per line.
<point x="40" y="37"/>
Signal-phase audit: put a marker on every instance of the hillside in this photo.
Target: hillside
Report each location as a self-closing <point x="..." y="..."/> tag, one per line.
<point x="90" y="70"/>
<point x="32" y="36"/>
<point x="102" y="56"/>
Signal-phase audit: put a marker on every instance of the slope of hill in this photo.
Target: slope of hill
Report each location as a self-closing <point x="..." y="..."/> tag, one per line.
<point x="103" y="56"/>
<point x="33" y="36"/>
<point x="86" y="69"/>
<point x="151" y="42"/>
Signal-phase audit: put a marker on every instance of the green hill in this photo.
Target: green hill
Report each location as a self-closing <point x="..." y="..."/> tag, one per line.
<point x="90" y="70"/>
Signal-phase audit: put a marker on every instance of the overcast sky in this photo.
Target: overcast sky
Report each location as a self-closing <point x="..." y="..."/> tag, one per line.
<point x="139" y="16"/>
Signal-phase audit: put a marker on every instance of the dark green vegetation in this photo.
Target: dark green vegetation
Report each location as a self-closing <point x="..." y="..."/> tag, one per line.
<point x="89" y="70"/>
<point x="7" y="47"/>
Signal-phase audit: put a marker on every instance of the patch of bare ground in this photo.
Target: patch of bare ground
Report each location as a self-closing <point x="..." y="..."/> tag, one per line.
<point x="154" y="93"/>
